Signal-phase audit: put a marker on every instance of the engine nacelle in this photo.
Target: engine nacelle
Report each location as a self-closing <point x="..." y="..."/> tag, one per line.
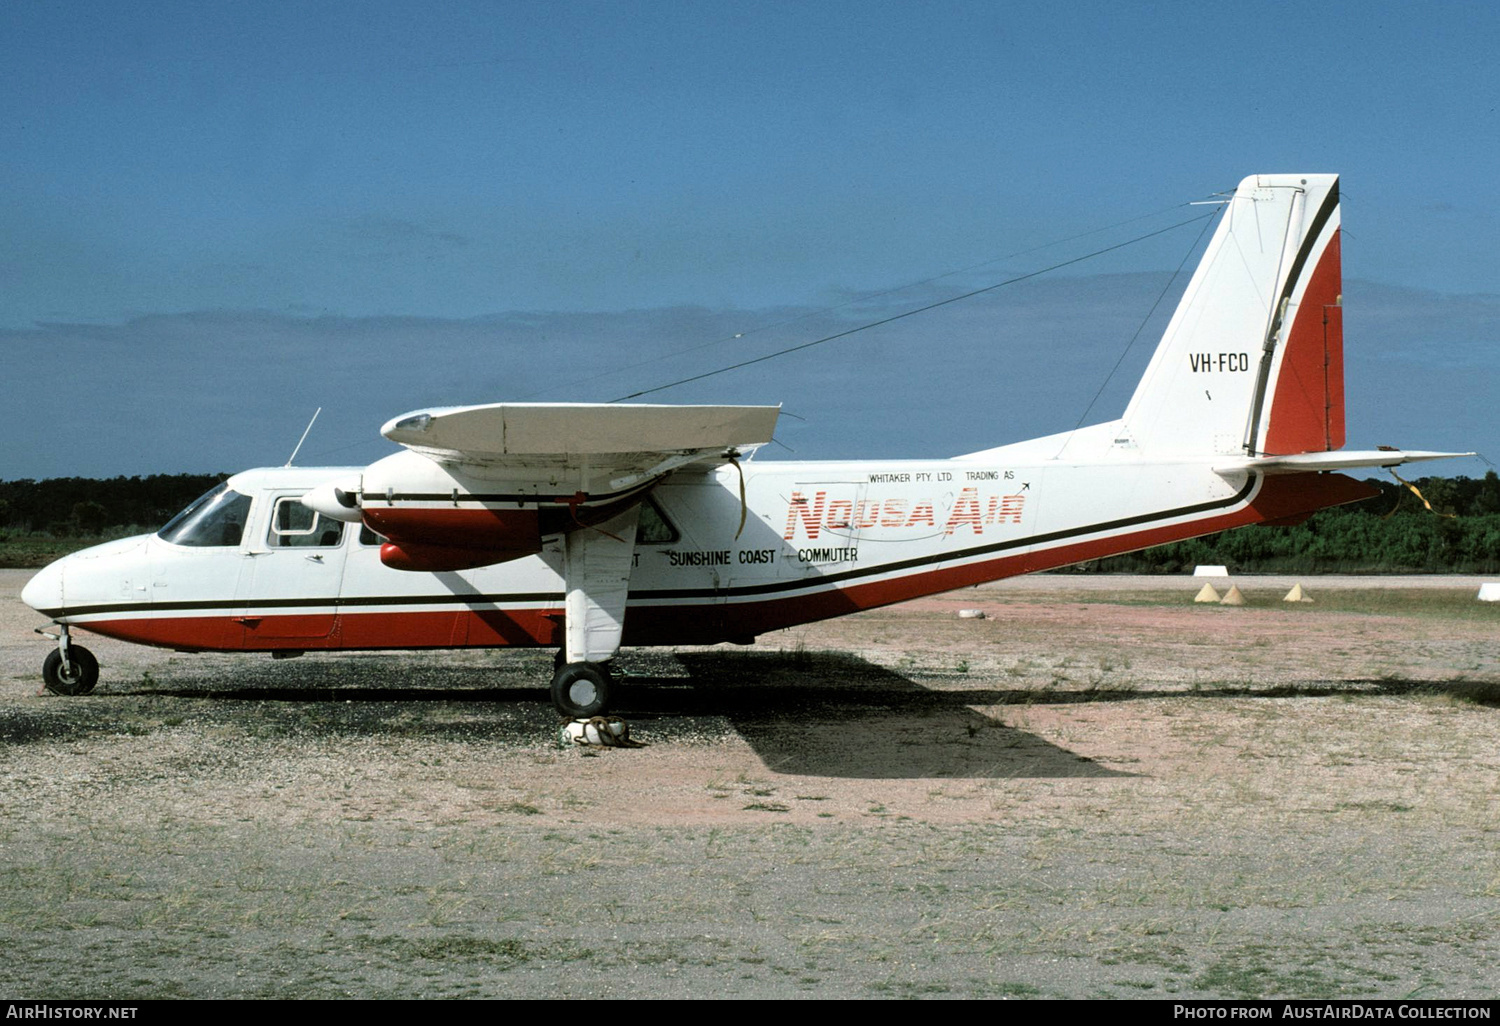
<point x="435" y="517"/>
<point x="439" y="558"/>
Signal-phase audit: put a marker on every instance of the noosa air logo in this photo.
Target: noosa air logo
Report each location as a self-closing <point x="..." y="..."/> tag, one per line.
<point x="971" y="510"/>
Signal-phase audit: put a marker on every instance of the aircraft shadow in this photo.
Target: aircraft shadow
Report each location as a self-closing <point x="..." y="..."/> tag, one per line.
<point x="820" y="714"/>
<point x="837" y="715"/>
<point x="830" y="715"/>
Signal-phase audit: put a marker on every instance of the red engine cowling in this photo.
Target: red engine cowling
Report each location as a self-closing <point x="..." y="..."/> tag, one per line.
<point x="453" y="539"/>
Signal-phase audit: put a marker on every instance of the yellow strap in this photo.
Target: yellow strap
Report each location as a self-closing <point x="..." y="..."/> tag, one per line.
<point x="1417" y="492"/>
<point x="744" y="507"/>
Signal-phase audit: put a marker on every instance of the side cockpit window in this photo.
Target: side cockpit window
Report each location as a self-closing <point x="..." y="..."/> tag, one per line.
<point x="293" y="525"/>
<point x="217" y="518"/>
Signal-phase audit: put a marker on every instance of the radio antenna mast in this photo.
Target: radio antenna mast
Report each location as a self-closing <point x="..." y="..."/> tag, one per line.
<point x="304" y="437"/>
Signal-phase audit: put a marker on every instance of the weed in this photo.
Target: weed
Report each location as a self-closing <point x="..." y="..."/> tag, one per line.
<point x="1014" y="989"/>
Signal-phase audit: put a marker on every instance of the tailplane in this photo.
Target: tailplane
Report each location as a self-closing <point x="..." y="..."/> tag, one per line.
<point x="1252" y="362"/>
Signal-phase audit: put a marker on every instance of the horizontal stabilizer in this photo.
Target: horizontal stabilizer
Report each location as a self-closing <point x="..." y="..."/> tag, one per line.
<point x="1308" y="462"/>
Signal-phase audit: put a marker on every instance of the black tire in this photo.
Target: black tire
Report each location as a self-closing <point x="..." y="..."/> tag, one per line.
<point x="560" y="659"/>
<point x="84" y="675"/>
<point x="581" y="690"/>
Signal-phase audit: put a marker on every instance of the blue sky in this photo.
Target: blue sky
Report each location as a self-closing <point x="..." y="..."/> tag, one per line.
<point x="215" y="218"/>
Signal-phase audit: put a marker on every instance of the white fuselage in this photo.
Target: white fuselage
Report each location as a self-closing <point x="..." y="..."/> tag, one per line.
<point x="819" y="539"/>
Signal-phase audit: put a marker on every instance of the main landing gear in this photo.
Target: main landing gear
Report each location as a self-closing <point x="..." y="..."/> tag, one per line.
<point x="581" y="690"/>
<point x="71" y="669"/>
<point x="596" y="573"/>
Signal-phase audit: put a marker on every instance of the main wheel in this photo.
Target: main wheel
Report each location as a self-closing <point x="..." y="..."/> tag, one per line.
<point x="77" y="679"/>
<point x="581" y="690"/>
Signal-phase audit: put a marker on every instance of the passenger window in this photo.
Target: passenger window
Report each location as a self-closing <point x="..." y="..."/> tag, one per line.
<point x="293" y="525"/>
<point x="653" y="527"/>
<point x="369" y="537"/>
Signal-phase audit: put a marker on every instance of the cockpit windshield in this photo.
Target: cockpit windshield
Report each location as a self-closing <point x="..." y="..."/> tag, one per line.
<point x="216" y="518"/>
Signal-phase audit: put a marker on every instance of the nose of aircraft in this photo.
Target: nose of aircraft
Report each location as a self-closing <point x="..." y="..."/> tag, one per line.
<point x="44" y="592"/>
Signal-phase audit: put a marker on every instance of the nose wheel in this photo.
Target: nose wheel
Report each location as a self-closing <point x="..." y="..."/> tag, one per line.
<point x="75" y="675"/>
<point x="70" y="669"/>
<point x="581" y="690"/>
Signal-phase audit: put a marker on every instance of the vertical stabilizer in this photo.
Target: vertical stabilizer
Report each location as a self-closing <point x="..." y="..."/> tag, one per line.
<point x="1252" y="360"/>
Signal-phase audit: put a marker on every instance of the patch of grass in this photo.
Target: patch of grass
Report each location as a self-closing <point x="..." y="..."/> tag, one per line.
<point x="30" y="551"/>
<point x="767" y="807"/>
<point x="1171" y="957"/>
<point x="504" y="952"/>
<point x="1010" y="989"/>
<point x="908" y="988"/>
<point x="1264" y="971"/>
<point x="1372" y="806"/>
<point x="1470" y="692"/>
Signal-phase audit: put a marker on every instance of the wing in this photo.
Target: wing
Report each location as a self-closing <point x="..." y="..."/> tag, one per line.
<point x="484" y="484"/>
<point x="628" y="443"/>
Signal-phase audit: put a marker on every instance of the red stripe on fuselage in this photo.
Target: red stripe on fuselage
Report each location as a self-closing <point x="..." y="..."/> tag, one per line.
<point x="709" y="621"/>
<point x="450" y="628"/>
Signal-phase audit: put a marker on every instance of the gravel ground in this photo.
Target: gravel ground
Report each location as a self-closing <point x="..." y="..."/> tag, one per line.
<point x="1099" y="789"/>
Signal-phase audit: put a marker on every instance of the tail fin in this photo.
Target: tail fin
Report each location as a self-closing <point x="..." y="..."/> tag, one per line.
<point x="1252" y="362"/>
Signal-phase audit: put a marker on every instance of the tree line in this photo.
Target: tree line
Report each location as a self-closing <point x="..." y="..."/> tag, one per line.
<point x="88" y="507"/>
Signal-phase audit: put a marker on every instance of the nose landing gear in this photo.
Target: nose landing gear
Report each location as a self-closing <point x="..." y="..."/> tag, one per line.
<point x="71" y="669"/>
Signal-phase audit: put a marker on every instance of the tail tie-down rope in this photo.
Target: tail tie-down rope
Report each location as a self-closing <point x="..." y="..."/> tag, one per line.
<point x="1418" y="493"/>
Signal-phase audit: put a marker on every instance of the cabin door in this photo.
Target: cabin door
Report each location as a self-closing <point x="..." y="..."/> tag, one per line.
<point x="290" y="589"/>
